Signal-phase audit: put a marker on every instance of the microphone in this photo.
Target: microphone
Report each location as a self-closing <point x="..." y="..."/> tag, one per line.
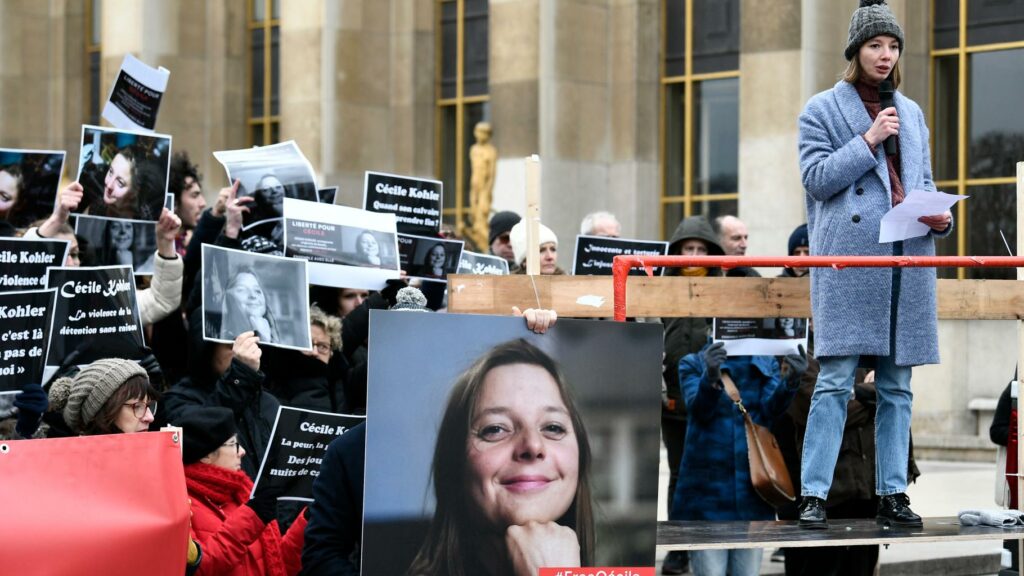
<point x="885" y="95"/>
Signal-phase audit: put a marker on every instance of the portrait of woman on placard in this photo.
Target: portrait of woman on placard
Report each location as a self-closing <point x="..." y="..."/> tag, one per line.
<point x="120" y="247"/>
<point x="367" y="249"/>
<point x="128" y="186"/>
<point x="269" y="200"/>
<point x="510" y="471"/>
<point x="433" y="262"/>
<point x="245" y="307"/>
<point x="12" y="190"/>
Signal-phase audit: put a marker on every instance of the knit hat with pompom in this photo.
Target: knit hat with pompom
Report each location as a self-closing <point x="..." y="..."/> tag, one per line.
<point x="871" y="19"/>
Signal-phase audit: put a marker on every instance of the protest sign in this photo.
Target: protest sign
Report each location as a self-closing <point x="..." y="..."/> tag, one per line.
<point x="346" y="247"/>
<point x="25" y="262"/>
<point x="474" y="380"/>
<point x="297" y="446"/>
<point x="97" y="310"/>
<point x="135" y="97"/>
<point x="119" y="242"/>
<point x="760" y="336"/>
<point x="475" y="263"/>
<point x="29" y="180"/>
<point x="326" y="195"/>
<point x="429" y="258"/>
<point x="25" y="322"/>
<point x="593" y="255"/>
<point x="268" y="174"/>
<point x="266" y="294"/>
<point x="123" y="173"/>
<point x="415" y="202"/>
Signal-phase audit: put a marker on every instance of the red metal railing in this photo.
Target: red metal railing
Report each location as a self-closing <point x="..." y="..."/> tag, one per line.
<point x="622" y="265"/>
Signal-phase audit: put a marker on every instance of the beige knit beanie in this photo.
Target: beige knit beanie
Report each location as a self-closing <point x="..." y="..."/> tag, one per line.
<point x="83" y="396"/>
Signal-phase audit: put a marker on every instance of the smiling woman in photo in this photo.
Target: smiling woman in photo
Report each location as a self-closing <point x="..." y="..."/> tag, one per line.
<point x="245" y="307"/>
<point x="510" y="471"/>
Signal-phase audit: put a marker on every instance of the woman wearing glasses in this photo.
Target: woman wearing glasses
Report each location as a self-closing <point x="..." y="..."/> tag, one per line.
<point x="238" y="535"/>
<point x="109" y="396"/>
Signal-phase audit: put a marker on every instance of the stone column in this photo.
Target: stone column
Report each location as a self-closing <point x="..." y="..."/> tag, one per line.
<point x="771" y="196"/>
<point x="587" y="103"/>
<point x="203" y="45"/>
<point x="357" y="88"/>
<point x="41" y="67"/>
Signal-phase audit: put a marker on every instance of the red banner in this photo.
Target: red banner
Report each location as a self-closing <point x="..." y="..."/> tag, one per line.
<point x="112" y="504"/>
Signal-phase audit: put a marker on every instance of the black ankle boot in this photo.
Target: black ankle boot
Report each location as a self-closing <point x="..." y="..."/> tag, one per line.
<point x="812" y="513"/>
<point x="894" y="510"/>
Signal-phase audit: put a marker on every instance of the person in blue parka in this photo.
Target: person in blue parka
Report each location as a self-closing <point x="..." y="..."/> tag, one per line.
<point x="714" y="478"/>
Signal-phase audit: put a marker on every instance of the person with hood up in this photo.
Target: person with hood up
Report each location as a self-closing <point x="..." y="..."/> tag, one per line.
<point x="692" y="237"/>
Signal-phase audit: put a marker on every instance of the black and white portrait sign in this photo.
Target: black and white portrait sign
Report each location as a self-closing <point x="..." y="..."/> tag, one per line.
<point x="119" y="242"/>
<point x="97" y="309"/>
<point x="346" y="247"/>
<point x="297" y="446"/>
<point x="244" y="291"/>
<point x="594" y="254"/>
<point x="429" y="258"/>
<point x="269" y="174"/>
<point x="761" y="336"/>
<point x="476" y="263"/>
<point x="29" y="180"/>
<point x="123" y="173"/>
<point x="24" y="262"/>
<point x="415" y="202"/>
<point x="135" y="97"/>
<point x="25" y="322"/>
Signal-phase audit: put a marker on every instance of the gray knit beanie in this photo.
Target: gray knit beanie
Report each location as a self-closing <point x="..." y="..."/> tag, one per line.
<point x="83" y="396"/>
<point x="411" y="299"/>
<point x="871" y="19"/>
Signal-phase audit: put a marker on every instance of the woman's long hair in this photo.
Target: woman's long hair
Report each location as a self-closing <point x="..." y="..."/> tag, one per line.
<point x="232" y="321"/>
<point x="451" y="538"/>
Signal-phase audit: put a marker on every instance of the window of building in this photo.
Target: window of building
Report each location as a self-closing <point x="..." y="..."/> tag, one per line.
<point x="977" y="137"/>
<point x="462" y="96"/>
<point x="93" y="50"/>
<point x="264" y="102"/>
<point x="700" y="82"/>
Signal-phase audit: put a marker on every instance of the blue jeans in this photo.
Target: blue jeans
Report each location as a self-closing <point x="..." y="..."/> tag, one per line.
<point x="824" y="433"/>
<point x="735" y="562"/>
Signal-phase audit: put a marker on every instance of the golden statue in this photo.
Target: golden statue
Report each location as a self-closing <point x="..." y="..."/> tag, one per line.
<point x="483" y="159"/>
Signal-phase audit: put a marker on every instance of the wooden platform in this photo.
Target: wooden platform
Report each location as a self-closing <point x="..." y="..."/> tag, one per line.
<point x="779" y="534"/>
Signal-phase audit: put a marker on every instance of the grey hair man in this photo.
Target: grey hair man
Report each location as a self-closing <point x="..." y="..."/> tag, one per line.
<point x="601" y="224"/>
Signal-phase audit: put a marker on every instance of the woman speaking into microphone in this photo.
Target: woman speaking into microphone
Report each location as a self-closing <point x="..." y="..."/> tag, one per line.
<point x="881" y="317"/>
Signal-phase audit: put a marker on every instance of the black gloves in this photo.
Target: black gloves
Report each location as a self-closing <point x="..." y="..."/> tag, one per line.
<point x="264" y="502"/>
<point x="714" y="355"/>
<point x="794" y="366"/>
<point x="152" y="367"/>
<point x="31" y="403"/>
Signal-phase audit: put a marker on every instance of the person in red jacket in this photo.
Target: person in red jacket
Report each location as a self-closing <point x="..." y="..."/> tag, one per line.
<point x="238" y="535"/>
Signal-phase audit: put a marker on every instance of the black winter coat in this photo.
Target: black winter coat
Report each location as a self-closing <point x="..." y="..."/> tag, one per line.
<point x="334" y="531"/>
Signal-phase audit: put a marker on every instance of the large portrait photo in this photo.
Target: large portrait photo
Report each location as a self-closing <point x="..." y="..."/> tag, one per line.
<point x="123" y="174"/>
<point x="29" y="180"/>
<point x="244" y="291"/>
<point x="487" y="439"/>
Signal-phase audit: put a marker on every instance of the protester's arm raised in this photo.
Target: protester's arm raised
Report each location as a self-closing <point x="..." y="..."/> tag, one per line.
<point x="67" y="201"/>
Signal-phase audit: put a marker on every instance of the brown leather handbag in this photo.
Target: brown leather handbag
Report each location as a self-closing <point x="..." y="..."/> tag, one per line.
<point x="768" y="472"/>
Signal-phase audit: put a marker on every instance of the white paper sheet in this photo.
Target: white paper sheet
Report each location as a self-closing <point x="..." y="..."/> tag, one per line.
<point x="901" y="223"/>
<point x="134" y="99"/>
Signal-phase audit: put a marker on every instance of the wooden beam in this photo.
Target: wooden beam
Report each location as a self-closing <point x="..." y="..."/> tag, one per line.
<point x="591" y="296"/>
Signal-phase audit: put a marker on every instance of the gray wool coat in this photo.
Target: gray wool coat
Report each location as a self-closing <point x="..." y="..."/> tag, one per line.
<point x="847" y="194"/>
